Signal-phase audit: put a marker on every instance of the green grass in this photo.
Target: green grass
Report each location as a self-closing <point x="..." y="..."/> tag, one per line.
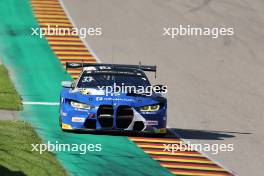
<point x="16" y="157"/>
<point x="9" y="98"/>
<point x="16" y="137"/>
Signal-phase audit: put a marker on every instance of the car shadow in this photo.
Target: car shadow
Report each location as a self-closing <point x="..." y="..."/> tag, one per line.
<point x="171" y="133"/>
<point x="117" y="133"/>
<point x="6" y="172"/>
<point x="205" y="134"/>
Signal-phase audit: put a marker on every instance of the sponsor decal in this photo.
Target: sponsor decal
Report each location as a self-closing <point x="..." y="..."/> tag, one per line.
<point x="99" y="98"/>
<point x="78" y="119"/>
<point x="152" y="122"/>
<point x="66" y="126"/>
<point x="154" y="112"/>
<point x="113" y="99"/>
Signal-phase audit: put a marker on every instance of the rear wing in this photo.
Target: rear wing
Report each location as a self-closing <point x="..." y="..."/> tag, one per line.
<point x="75" y="65"/>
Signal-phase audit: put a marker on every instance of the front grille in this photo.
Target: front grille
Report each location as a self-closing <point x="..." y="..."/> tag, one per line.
<point x="105" y="115"/>
<point x="124" y="116"/>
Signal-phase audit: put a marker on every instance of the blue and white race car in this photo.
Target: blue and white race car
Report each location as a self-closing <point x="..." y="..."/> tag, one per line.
<point x="113" y="97"/>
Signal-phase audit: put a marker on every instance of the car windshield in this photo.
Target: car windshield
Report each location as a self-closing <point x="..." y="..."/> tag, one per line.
<point x="99" y="80"/>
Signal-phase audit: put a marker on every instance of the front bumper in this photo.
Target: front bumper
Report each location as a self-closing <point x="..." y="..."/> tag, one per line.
<point x="90" y="121"/>
<point x="67" y="127"/>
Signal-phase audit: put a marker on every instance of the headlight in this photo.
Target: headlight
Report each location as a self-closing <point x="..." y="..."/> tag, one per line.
<point x="80" y="105"/>
<point x="150" y="108"/>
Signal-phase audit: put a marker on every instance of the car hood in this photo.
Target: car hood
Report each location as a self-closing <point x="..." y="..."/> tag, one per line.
<point x="97" y="97"/>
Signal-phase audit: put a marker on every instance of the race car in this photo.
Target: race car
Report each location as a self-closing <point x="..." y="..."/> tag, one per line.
<point x="113" y="97"/>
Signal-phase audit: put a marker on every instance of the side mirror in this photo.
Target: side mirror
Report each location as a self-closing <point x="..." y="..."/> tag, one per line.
<point x="68" y="84"/>
<point x="160" y="88"/>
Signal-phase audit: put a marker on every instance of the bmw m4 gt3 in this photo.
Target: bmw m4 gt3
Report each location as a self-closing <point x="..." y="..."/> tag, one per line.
<point x="113" y="97"/>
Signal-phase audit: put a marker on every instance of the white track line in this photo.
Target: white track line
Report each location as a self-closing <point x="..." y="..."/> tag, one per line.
<point x="41" y="103"/>
<point x="74" y="25"/>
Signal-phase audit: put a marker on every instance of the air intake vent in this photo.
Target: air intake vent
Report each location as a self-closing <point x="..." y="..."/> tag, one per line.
<point x="105" y="115"/>
<point x="124" y="116"/>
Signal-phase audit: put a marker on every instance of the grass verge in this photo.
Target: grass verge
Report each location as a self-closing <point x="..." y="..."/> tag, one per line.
<point x="16" y="157"/>
<point x="9" y="98"/>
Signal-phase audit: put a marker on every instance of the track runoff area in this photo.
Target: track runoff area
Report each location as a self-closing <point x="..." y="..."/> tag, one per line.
<point x="70" y="48"/>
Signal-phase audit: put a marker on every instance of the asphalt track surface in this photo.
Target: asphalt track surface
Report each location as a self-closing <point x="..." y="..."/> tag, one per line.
<point x="215" y="85"/>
